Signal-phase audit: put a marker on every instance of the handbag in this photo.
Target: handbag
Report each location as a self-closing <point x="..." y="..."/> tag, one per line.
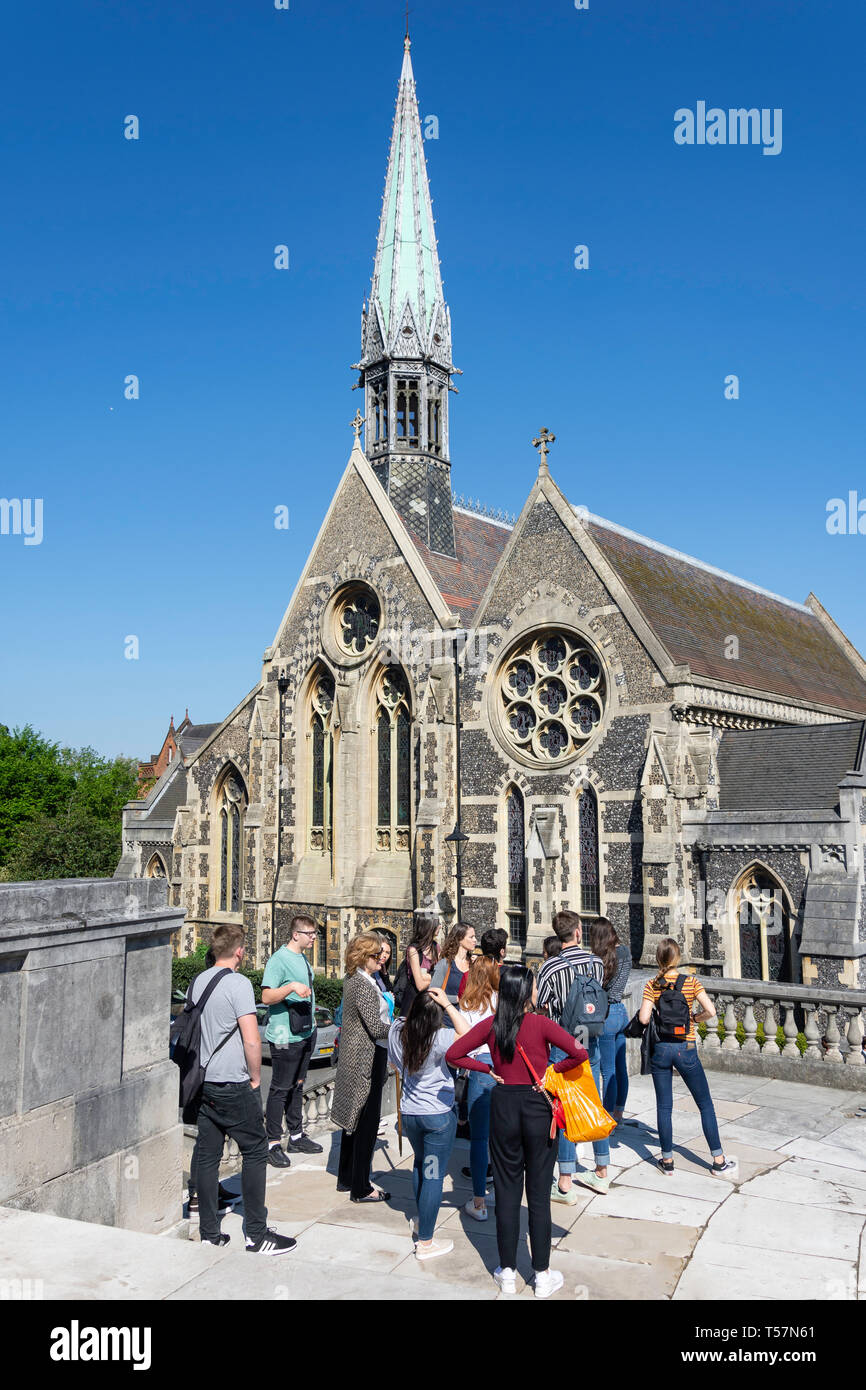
<point x="557" y="1110"/>
<point x="585" y="1117"/>
<point x="301" y="1011"/>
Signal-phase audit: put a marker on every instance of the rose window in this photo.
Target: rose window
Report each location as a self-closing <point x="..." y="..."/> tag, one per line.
<point x="357" y="621"/>
<point x="553" y="695"/>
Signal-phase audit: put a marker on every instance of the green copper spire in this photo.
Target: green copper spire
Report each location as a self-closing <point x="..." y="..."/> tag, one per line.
<point x="406" y="271"/>
<point x="406" y="361"/>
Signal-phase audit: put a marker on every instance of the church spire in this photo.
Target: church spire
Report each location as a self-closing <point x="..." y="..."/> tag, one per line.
<point x="406" y="361"/>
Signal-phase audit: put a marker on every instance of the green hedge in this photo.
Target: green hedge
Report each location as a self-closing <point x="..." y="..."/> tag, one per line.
<point x="184" y="968"/>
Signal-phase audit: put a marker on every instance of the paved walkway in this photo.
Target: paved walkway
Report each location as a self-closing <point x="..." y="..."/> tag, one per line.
<point x="790" y="1225"/>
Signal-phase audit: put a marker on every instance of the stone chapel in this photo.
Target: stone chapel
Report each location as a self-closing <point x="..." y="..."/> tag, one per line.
<point x="558" y="690"/>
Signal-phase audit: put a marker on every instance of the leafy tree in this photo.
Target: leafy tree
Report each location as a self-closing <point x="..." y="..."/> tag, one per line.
<point x="60" y="808"/>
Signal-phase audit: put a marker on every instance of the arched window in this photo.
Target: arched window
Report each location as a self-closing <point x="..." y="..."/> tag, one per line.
<point x="587" y="831"/>
<point x="433" y="409"/>
<point x="764" y="928"/>
<point x="407" y="411"/>
<point x="321" y="764"/>
<point x="156" y="867"/>
<point x="392" y="752"/>
<point x="231" y="804"/>
<point x="515" y="820"/>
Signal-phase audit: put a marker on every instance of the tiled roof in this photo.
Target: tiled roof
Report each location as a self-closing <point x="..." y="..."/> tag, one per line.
<point x="191" y="737"/>
<point x="797" y="768"/>
<point x="784" y="649"/>
<point x="462" y="582"/>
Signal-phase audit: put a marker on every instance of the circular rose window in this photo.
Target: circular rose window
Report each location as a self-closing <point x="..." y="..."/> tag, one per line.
<point x="552" y="696"/>
<point x="356" y="620"/>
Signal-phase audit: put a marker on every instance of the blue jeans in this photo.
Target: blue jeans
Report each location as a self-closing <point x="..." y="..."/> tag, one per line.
<point x="614" y="1070"/>
<point x="432" y="1139"/>
<point x="684" y="1057"/>
<point x="567" y="1153"/>
<point x="478" y="1102"/>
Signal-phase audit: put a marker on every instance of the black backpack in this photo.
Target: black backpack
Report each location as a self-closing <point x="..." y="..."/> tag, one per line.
<point x="185" y="1048"/>
<point x="673" y="1013"/>
<point x="586" y="1007"/>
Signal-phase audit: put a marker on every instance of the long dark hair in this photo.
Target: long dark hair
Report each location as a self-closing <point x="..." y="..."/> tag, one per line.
<point x="424" y="936"/>
<point x="515" y="992"/>
<point x="603" y="942"/>
<point x="423" y="1021"/>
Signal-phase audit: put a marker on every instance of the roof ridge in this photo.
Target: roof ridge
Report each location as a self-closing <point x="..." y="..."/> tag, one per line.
<point x="586" y="515"/>
<point x="478" y="516"/>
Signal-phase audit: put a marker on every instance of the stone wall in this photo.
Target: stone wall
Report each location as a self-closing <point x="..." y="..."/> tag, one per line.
<point x="88" y="1096"/>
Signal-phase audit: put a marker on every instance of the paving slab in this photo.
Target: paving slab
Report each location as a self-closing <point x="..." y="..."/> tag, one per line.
<point x="288" y="1278"/>
<point x="588" y="1278"/>
<point x="623" y="1238"/>
<point x="769" y="1224"/>
<point x="808" y="1192"/>
<point x="646" y="1205"/>
<point x="350" y="1247"/>
<point x="682" y="1182"/>
<point x="77" y="1260"/>
<point x="725" y="1109"/>
<point x="795" y="1121"/>
<point x="720" y="1270"/>
<point x="800" y="1095"/>
<point x="471" y="1263"/>
<point x="826" y="1172"/>
<point x="763" y="1138"/>
<point x="750" y="1161"/>
<point x="850" y="1135"/>
<point x="826" y="1152"/>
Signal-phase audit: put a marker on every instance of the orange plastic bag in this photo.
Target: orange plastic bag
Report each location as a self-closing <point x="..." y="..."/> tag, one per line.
<point x="585" y="1116"/>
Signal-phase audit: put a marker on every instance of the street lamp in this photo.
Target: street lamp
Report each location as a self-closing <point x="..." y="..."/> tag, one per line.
<point x="458" y="842"/>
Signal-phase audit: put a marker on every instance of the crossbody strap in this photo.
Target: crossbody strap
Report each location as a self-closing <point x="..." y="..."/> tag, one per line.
<point x="532" y="1072"/>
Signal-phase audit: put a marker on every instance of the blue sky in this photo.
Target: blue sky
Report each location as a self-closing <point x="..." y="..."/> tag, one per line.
<point x="260" y="127"/>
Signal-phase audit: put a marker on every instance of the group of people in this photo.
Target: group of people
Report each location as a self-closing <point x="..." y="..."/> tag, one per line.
<point x="471" y="1028"/>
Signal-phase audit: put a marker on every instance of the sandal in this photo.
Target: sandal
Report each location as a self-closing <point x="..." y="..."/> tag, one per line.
<point x="377" y="1195"/>
<point x="666" y="1166"/>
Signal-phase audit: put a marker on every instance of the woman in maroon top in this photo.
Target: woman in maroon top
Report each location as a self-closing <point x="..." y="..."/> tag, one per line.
<point x="521" y="1149"/>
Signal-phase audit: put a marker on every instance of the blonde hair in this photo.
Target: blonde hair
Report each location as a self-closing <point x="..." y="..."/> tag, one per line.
<point x="367" y="943"/>
<point x="667" y="956"/>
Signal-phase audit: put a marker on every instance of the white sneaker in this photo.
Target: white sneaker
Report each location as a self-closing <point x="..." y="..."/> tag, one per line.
<point x="547" y="1282"/>
<point x="477" y="1213"/>
<point x="436" y="1247"/>
<point x="506" y="1279"/>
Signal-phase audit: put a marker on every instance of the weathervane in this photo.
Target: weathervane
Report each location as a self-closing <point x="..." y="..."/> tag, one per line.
<point x="358" y="421"/>
<point x="542" y="444"/>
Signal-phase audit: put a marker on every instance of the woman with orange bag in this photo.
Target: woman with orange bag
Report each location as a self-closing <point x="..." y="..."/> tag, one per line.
<point x="522" y="1149"/>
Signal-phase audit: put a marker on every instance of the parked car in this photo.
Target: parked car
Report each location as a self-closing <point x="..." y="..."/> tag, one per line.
<point x="327" y="1036"/>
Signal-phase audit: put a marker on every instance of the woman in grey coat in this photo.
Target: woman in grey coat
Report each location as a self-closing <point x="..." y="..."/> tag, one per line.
<point x="362" y="1066"/>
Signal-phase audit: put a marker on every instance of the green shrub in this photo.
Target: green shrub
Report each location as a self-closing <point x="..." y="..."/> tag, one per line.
<point x="328" y="992"/>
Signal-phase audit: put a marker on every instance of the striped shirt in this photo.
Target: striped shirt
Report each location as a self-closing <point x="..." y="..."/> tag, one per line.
<point x="691" y="989"/>
<point x="557" y="976"/>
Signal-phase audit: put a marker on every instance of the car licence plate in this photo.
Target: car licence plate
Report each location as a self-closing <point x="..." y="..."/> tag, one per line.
<point x="323" y="1050"/>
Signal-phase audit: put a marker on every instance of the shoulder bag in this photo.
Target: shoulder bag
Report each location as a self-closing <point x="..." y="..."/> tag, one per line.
<point x="557" y="1110"/>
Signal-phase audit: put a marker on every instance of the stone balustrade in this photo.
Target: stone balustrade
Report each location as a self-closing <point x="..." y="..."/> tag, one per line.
<point x="830" y="1020"/>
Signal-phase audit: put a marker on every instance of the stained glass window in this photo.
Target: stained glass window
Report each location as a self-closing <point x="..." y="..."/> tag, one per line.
<point x="358" y="621"/>
<point x="553" y="696"/>
<point x="231" y="802"/>
<point x="516" y="851"/>
<point x="318" y="817"/>
<point x="588" y="836"/>
<point x="764" y="929"/>
<point x="321" y="763"/>
<point x="393" y="761"/>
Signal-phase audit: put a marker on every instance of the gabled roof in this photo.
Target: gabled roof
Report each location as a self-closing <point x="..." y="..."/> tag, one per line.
<point x="191" y="737"/>
<point x="462" y="581"/>
<point x="796" y="768"/>
<point x="784" y="648"/>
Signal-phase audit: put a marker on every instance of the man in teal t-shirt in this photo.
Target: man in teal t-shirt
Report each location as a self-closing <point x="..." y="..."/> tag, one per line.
<point x="287" y="989"/>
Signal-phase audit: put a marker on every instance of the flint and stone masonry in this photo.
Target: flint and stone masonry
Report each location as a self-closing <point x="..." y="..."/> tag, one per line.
<point x="88" y="1096"/>
<point x="619" y="753"/>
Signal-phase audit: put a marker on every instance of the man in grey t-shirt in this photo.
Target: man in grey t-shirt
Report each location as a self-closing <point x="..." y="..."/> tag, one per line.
<point x="232" y="1099"/>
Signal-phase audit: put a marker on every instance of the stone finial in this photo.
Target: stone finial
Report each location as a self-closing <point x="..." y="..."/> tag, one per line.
<point x="542" y="444"/>
<point x="357" y="424"/>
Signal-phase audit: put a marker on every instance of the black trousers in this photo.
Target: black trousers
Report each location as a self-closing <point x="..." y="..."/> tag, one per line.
<point x="234" y="1108"/>
<point x="356" y="1149"/>
<point x="521" y="1151"/>
<point x="288" y="1073"/>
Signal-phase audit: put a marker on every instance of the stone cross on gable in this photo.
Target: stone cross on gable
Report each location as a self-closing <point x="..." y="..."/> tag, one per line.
<point x="542" y="444"/>
<point x="358" y="421"/>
